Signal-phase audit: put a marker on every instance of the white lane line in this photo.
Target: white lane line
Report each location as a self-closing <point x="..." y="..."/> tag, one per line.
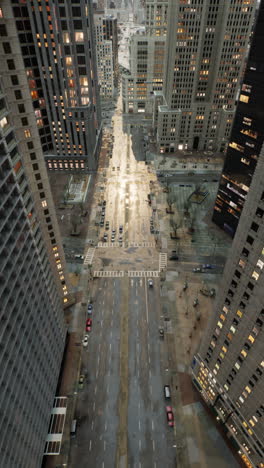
<point x="92" y="424"/>
<point x="139" y="444"/>
<point x="110" y="346"/>
<point x="107" y="388"/>
<point x="146" y="299"/>
<point x="90" y="446"/>
<point x="97" y="374"/>
<point x="139" y="405"/>
<point x="105" y="426"/>
<point x="104" y="445"/>
<point x="101" y="323"/>
<point x="94" y="405"/>
<point x="151" y="389"/>
<point x="111" y="334"/>
<point x="149" y="359"/>
<point x="153" y="445"/>
<point x="150" y="374"/>
<point x="98" y="359"/>
<point x="103" y="465"/>
<point x="95" y="390"/>
<point x="152" y="425"/>
<point x="139" y="425"/>
<point x="103" y="302"/>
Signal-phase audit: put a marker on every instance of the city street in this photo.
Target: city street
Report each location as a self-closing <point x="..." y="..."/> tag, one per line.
<point x="121" y="409"/>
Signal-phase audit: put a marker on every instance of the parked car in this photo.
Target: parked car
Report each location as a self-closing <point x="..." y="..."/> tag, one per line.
<point x="85" y="341"/>
<point x="208" y="266"/>
<point x="81" y="257"/>
<point x="150" y="283"/>
<point x="170" y="416"/>
<point x="197" y="270"/>
<point x="120" y="229"/>
<point x="90" y="308"/>
<point x="88" y="324"/>
<point x="161" y="332"/>
<point x="81" y="381"/>
<point x="167" y="392"/>
<point x="107" y="225"/>
<point x="174" y="257"/>
<point x="105" y="237"/>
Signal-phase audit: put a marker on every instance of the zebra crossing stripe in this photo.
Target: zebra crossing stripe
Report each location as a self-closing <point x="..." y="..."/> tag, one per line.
<point x="89" y="256"/>
<point x="108" y="274"/>
<point x="144" y="274"/>
<point x="162" y="261"/>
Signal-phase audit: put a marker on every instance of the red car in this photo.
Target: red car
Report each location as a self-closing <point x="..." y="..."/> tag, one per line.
<point x="88" y="324"/>
<point x="170" y="417"/>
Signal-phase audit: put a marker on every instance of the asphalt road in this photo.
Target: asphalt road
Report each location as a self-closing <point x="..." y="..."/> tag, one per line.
<point x="121" y="408"/>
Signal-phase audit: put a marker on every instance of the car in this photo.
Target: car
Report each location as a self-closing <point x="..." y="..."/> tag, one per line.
<point x="150" y="283"/>
<point x="170" y="416"/>
<point x="107" y="225"/>
<point x="167" y="392"/>
<point x="104" y="202"/>
<point x="89" y="309"/>
<point x="81" y="380"/>
<point x="113" y="231"/>
<point x="120" y="239"/>
<point x="120" y="229"/>
<point x="81" y="257"/>
<point x="85" y="341"/>
<point x="208" y="266"/>
<point x="105" y="237"/>
<point x="174" y="257"/>
<point x="102" y="214"/>
<point x="102" y="222"/>
<point x="113" y="238"/>
<point x="197" y="270"/>
<point x="88" y="324"/>
<point x="161" y="332"/>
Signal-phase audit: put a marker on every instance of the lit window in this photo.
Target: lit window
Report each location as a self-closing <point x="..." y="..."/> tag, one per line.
<point x="1" y="13"/>
<point x="220" y="325"/>
<point x="85" y="101"/>
<point x="244" y="98"/>
<point x="68" y="60"/>
<point x="3" y="122"/>
<point x="260" y="264"/>
<point x="79" y="37"/>
<point x="239" y="313"/>
<point x="66" y="37"/>
<point x="44" y="203"/>
<point x="237" y="366"/>
<point x="65" y="300"/>
<point x="232" y="329"/>
<point x="241" y="263"/>
<point x="83" y="81"/>
<point x="255" y="275"/>
<point x="244" y="353"/>
<point x="251" y="338"/>
<point x="27" y="133"/>
<point x="248" y="389"/>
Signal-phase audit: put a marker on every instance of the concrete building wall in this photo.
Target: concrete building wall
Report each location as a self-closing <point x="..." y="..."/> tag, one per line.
<point x="205" y="53"/>
<point x="229" y="367"/>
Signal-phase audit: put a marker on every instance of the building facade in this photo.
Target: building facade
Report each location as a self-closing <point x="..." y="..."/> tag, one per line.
<point x="229" y="367"/>
<point x="57" y="45"/>
<point x="33" y="282"/>
<point x="107" y="53"/>
<point x="246" y="138"/>
<point x="146" y="59"/>
<point x="206" y="48"/>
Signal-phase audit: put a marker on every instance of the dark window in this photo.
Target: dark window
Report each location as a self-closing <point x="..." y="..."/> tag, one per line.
<point x="30" y="145"/>
<point x="48" y="220"/>
<point x="24" y="121"/>
<point x="80" y="50"/>
<point x="37" y="177"/>
<point x="35" y="167"/>
<point x="62" y="11"/>
<point x="246" y="296"/>
<point x="21" y="107"/>
<point x="81" y="60"/>
<point x="242" y="305"/>
<point x="82" y="70"/>
<point x="250" y="240"/>
<point x="245" y="252"/>
<point x="76" y="11"/>
<point x="14" y="80"/>
<point x="11" y="64"/>
<point x="237" y="274"/>
<point x="18" y="94"/>
<point x="7" y="48"/>
<point x="3" y="31"/>
<point x="254" y="227"/>
<point x="77" y="24"/>
<point x="67" y="50"/>
<point x="259" y="213"/>
<point x="42" y="195"/>
<point x="64" y="25"/>
<point x="250" y="286"/>
<point x="40" y="186"/>
<point x="33" y="156"/>
<point x="234" y="284"/>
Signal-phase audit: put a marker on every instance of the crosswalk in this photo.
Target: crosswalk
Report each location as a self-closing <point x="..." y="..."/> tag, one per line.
<point x="144" y="274"/>
<point x="122" y="273"/>
<point x="108" y="274"/>
<point x="89" y="256"/>
<point x="106" y="245"/>
<point x="162" y="261"/>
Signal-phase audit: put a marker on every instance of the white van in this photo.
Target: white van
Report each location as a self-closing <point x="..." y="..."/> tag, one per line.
<point x="167" y="392"/>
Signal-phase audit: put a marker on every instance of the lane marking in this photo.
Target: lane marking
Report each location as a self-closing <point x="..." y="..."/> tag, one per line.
<point x="92" y="424"/>
<point x="90" y="445"/>
<point x="146" y="299"/>
<point x="153" y="445"/>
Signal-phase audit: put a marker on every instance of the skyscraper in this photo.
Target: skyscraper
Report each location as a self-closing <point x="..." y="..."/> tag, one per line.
<point x="246" y="139"/>
<point x="206" y="47"/>
<point x="229" y="367"/>
<point x="57" y="45"/>
<point x="32" y="282"/>
<point x="107" y="53"/>
<point x="147" y="52"/>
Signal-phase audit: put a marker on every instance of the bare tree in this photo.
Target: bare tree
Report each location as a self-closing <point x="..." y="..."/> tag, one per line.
<point x="170" y="200"/>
